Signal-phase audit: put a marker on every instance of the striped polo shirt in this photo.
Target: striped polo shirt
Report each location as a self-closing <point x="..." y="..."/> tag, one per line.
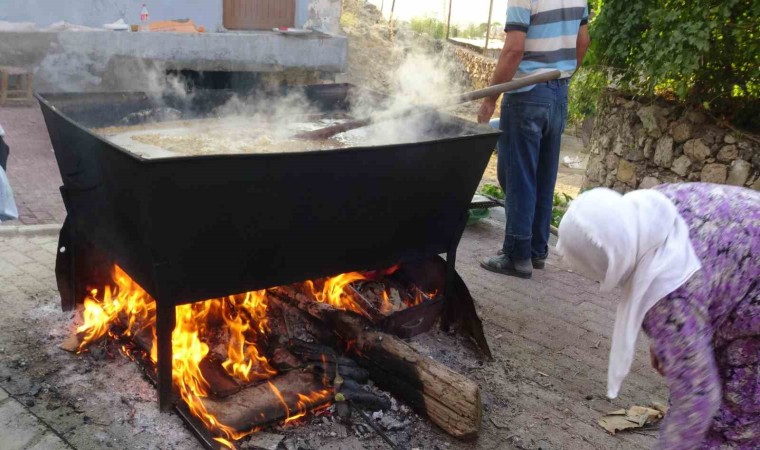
<point x="551" y="28"/>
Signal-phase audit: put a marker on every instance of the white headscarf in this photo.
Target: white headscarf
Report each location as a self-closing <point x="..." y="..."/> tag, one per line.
<point x="638" y="242"/>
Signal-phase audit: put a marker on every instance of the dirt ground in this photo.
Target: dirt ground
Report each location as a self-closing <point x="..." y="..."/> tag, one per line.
<point x="544" y="389"/>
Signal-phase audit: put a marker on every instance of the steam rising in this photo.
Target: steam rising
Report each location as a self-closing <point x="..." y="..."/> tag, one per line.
<point x="421" y="83"/>
<point x="265" y="122"/>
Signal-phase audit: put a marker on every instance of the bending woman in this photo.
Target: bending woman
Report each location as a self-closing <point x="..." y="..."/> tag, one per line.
<point x="687" y="257"/>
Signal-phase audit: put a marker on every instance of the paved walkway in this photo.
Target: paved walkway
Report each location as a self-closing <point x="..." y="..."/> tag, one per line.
<point x="22" y="430"/>
<point x="550" y="335"/>
<point x="32" y="169"/>
<point x="546" y="387"/>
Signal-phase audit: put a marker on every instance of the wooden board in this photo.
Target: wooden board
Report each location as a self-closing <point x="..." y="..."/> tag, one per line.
<point x="259" y="14"/>
<point x="449" y="399"/>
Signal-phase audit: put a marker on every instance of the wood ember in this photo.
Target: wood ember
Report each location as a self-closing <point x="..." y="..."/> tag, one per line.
<point x="366" y="303"/>
<point x="449" y="399"/>
<point x="288" y="321"/>
<point x="318" y="353"/>
<point x="355" y="393"/>
<point x="283" y="360"/>
<point x="331" y="371"/>
<point x="221" y="384"/>
<point x="381" y="298"/>
<point x="71" y="343"/>
<point x="259" y="405"/>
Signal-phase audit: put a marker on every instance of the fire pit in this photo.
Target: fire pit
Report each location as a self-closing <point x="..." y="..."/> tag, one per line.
<point x="176" y="232"/>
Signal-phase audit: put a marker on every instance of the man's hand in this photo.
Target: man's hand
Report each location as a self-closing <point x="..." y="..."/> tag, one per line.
<point x="487" y="109"/>
<point x="655" y="361"/>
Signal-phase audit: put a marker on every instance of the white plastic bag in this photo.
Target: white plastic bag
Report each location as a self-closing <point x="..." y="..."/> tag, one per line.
<point x="8" y="209"/>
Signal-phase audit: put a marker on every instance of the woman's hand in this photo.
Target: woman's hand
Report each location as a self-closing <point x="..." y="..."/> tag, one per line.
<point x="487" y="109"/>
<point x="655" y="361"/>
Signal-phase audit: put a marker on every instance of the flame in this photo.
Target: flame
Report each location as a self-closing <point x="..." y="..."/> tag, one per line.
<point x="240" y="314"/>
<point x="334" y="292"/>
<point x="125" y="299"/>
<point x="420" y="297"/>
<point x="244" y="316"/>
<point x="387" y="306"/>
<point x="243" y="355"/>
<point x="305" y="402"/>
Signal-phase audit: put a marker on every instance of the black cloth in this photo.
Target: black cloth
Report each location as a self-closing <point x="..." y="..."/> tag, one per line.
<point x="4" y="152"/>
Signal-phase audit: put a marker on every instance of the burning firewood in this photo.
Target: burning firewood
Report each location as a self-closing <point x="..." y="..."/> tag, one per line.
<point x="221" y="384"/>
<point x="450" y="400"/>
<point x="331" y="371"/>
<point x="274" y="401"/>
<point x="71" y="343"/>
<point x="283" y="360"/>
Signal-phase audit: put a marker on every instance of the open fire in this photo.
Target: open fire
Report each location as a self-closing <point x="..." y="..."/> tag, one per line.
<point x="235" y="327"/>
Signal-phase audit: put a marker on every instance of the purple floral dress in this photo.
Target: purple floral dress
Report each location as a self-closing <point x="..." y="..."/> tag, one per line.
<point x="706" y="334"/>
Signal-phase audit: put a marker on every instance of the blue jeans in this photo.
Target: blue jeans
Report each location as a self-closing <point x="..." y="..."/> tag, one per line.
<point x="533" y="123"/>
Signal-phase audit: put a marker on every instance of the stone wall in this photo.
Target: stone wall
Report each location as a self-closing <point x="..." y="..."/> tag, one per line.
<point x="478" y="68"/>
<point x="638" y="146"/>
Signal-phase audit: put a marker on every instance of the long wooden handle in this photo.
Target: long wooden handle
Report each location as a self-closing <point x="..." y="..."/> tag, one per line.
<point x="492" y="91"/>
<point x="495" y="90"/>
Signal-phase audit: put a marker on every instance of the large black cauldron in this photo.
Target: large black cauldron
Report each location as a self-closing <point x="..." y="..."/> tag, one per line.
<point x="193" y="228"/>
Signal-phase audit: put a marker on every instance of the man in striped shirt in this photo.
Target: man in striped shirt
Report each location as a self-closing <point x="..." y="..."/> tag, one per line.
<point x="542" y="35"/>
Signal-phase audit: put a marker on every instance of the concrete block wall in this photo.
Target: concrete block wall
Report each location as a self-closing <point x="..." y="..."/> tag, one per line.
<point x="324" y="14"/>
<point x="88" y="61"/>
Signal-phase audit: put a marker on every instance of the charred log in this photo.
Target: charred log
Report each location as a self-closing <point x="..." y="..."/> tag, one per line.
<point x="331" y="371"/>
<point x="366" y="400"/>
<point x="449" y="399"/>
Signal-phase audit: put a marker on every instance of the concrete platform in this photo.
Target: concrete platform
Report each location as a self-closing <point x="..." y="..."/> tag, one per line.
<point x="97" y="61"/>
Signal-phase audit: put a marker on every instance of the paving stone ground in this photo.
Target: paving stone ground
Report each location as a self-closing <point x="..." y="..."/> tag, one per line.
<point x="22" y="430"/>
<point x="546" y="386"/>
<point x="32" y="170"/>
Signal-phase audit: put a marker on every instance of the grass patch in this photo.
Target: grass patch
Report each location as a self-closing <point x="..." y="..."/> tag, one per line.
<point x="561" y="201"/>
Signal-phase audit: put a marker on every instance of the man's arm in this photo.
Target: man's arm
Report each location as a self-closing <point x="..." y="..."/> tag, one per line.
<point x="509" y="59"/>
<point x="582" y="44"/>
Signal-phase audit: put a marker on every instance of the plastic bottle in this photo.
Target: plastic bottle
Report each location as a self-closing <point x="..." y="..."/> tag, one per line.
<point x="144" y="18"/>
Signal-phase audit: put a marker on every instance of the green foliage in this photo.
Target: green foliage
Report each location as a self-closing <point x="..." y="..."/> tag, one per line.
<point x="585" y="90"/>
<point x="561" y="203"/>
<point x="493" y="191"/>
<point x="429" y="26"/>
<point x="437" y="28"/>
<point x="705" y="52"/>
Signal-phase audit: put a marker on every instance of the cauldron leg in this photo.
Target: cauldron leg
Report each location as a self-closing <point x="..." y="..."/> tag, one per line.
<point x="450" y="309"/>
<point x="165" y="321"/>
<point x="65" y="267"/>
